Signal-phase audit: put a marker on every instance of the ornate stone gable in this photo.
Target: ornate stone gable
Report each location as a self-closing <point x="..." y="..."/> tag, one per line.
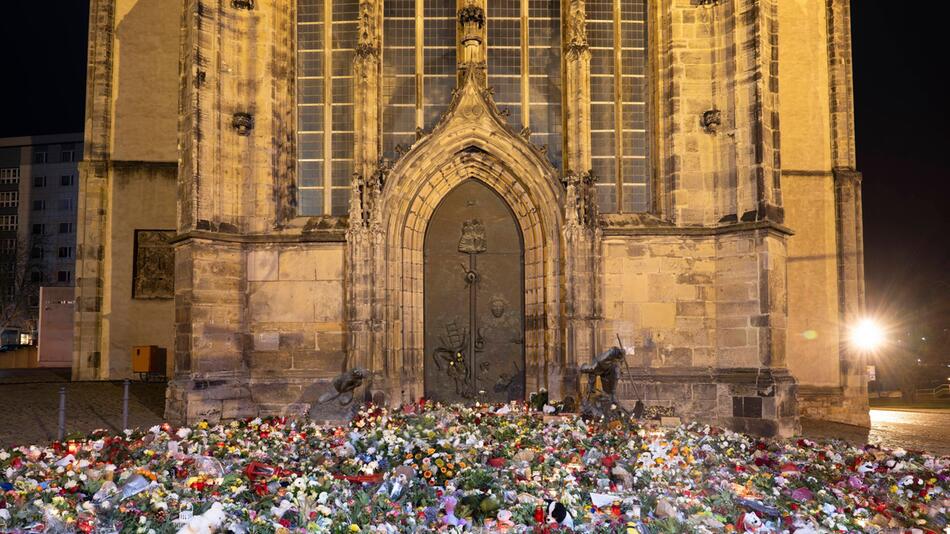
<point x="473" y="108"/>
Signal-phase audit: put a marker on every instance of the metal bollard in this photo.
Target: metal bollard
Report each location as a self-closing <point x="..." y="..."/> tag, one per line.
<point x="61" y="429"/>
<point x="125" y="404"/>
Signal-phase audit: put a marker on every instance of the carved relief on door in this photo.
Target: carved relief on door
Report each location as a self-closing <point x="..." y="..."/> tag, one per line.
<point x="474" y="298"/>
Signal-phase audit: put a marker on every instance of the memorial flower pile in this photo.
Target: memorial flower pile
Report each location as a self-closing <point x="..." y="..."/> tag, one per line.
<point x="433" y="468"/>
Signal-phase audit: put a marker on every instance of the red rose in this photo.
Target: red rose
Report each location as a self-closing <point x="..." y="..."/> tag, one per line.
<point x="539" y="515"/>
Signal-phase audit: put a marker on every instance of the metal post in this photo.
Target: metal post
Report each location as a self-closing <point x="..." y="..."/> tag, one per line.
<point x="125" y="404"/>
<point x="61" y="429"/>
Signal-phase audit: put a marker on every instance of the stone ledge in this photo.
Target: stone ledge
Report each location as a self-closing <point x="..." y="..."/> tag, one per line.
<point x="656" y="230"/>
<point x="738" y="375"/>
<point x="316" y="236"/>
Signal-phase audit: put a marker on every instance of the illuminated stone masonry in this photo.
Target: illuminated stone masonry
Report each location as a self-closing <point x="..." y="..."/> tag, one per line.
<point x="635" y="146"/>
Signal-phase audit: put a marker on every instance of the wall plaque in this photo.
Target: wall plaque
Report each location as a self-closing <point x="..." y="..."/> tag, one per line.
<point x="153" y="275"/>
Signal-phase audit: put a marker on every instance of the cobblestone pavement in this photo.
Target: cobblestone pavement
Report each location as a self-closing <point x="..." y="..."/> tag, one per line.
<point x="923" y="429"/>
<point x="30" y="401"/>
<point x="927" y="430"/>
<point x="30" y="404"/>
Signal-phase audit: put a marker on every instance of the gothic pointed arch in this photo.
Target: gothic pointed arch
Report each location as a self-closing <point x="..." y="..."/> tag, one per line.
<point x="389" y="215"/>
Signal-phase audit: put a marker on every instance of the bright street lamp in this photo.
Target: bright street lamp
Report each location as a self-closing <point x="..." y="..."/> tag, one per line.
<point x="867" y="335"/>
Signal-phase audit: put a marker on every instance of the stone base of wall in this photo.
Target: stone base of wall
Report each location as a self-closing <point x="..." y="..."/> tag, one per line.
<point x="832" y="404"/>
<point x="189" y="401"/>
<point x="758" y="401"/>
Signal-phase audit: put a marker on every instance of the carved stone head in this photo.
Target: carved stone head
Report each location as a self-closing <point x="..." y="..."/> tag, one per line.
<point x="498" y="305"/>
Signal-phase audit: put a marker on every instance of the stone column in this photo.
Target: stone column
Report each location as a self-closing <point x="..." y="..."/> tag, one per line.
<point x="756" y="108"/>
<point x="851" y="295"/>
<point x="581" y="227"/>
<point x="364" y="238"/>
<point x="93" y="195"/>
<point x="367" y="88"/>
<point x="576" y="89"/>
<point x="472" y="51"/>
<point x="226" y="114"/>
<point x="842" y="97"/>
<point x="851" y="288"/>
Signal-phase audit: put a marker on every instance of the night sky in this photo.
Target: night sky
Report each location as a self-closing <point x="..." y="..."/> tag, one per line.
<point x="901" y="109"/>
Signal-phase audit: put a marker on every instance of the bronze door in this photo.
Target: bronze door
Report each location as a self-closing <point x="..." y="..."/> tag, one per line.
<point x="474" y="299"/>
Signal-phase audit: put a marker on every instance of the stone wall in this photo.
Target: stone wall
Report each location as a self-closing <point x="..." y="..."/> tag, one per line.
<point x="820" y="207"/>
<point x="260" y="329"/>
<point x="295" y="322"/>
<point x="127" y="180"/>
<point x="740" y="278"/>
<point x="210" y="306"/>
<point x="142" y="198"/>
<point x="706" y="316"/>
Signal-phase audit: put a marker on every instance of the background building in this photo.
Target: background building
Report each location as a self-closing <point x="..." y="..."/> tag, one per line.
<point x="38" y="193"/>
<point x="680" y="174"/>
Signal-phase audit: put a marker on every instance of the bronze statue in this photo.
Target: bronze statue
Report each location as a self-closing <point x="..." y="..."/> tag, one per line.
<point x="605" y="366"/>
<point x="344" y="386"/>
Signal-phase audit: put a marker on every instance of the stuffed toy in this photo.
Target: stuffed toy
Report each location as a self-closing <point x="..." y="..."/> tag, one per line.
<point x="206" y="523"/>
<point x="449" y="519"/>
<point x="749" y="523"/>
<point x="559" y="514"/>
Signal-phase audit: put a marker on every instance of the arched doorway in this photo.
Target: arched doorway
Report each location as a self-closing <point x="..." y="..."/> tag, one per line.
<point x="474" y="298"/>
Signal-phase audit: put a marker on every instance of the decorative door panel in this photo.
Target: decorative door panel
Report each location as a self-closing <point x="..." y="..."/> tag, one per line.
<point x="474" y="298"/>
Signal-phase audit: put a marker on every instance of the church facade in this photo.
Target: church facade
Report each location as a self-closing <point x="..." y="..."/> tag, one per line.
<point x="470" y="199"/>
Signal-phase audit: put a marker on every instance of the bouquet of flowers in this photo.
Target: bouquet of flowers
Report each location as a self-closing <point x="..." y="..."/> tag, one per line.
<point x="428" y="467"/>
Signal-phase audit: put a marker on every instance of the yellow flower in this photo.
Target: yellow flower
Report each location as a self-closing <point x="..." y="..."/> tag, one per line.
<point x="439" y="462"/>
<point x="450" y="474"/>
<point x="203" y="425"/>
<point x="354" y="527"/>
<point x="430" y="451"/>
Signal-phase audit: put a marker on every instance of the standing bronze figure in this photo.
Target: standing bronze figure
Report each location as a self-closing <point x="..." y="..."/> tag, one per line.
<point x="606" y="366"/>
